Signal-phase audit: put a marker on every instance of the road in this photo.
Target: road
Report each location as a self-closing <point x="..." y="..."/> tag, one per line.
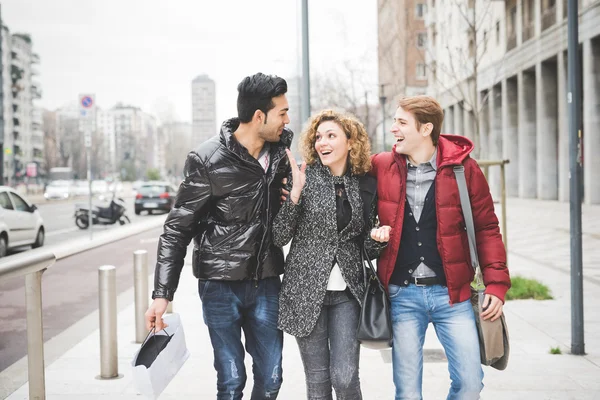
<point x="60" y="222"/>
<point x="70" y="287"/>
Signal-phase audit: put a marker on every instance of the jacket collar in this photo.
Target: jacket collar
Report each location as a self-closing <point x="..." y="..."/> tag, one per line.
<point x="451" y="150"/>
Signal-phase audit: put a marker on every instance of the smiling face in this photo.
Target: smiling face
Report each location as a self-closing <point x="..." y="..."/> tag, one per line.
<point x="410" y="138"/>
<point x="275" y="120"/>
<point x="332" y="146"/>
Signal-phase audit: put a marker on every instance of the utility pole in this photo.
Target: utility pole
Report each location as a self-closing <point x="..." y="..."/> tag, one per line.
<point x="1" y="104"/>
<point x="305" y="115"/>
<point x="575" y="167"/>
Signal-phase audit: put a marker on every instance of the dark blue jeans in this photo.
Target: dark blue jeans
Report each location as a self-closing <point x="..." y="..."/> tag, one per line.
<point x="229" y="308"/>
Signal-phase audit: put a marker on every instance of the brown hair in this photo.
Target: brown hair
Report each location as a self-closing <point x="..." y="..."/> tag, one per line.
<point x="425" y="109"/>
<point x="360" y="147"/>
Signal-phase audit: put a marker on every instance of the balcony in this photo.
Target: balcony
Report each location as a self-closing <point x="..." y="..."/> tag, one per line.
<point x="549" y="17"/>
<point x="35" y="92"/>
<point x="35" y="58"/>
<point x="511" y="41"/>
<point x="528" y="31"/>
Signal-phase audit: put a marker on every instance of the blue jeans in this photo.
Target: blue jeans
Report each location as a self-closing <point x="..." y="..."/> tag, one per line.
<point x="230" y="307"/>
<point x="331" y="353"/>
<point x="413" y="308"/>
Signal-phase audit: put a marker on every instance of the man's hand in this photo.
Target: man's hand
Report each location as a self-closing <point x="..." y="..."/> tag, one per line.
<point x="154" y="314"/>
<point x="381" y="234"/>
<point x="492" y="307"/>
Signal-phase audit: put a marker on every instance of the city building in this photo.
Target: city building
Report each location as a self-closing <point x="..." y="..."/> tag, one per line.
<point x="204" y="110"/>
<point x="23" y="135"/>
<point x="402" y="55"/>
<point x="499" y="69"/>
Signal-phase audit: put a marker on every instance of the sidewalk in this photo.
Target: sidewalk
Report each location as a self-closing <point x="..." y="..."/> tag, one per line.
<point x="538" y="247"/>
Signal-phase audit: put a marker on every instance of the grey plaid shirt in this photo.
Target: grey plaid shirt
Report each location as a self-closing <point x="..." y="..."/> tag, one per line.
<point x="418" y="182"/>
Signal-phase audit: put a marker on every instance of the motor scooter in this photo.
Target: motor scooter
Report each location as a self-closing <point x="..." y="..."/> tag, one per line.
<point x="115" y="212"/>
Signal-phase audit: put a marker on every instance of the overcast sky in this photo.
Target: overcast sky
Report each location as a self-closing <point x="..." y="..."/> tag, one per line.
<point x="146" y="52"/>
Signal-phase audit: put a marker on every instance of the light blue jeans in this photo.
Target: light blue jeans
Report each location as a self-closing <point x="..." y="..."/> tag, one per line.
<point x="413" y="308"/>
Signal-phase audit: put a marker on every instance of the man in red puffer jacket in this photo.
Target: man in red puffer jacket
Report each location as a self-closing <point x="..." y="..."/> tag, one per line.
<point x="426" y="266"/>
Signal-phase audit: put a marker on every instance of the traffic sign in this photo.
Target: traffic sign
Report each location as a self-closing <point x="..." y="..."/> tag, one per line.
<point x="87" y="107"/>
<point x="87" y="102"/>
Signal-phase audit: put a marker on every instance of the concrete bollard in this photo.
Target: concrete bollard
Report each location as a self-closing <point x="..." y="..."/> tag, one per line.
<point x="107" y="291"/>
<point x="140" y="284"/>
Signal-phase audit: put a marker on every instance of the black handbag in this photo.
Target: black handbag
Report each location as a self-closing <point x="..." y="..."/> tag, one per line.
<point x="375" y="324"/>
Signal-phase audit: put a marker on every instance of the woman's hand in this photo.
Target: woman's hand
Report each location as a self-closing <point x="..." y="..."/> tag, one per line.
<point x="381" y="234"/>
<point x="298" y="177"/>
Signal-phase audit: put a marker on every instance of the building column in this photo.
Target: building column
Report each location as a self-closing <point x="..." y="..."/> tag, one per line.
<point x="563" y="127"/>
<point x="547" y="132"/>
<point x="449" y="117"/>
<point x="527" y="134"/>
<point x="537" y="17"/>
<point x="591" y="120"/>
<point x="510" y="135"/>
<point x="495" y="138"/>
<point x="458" y="119"/>
<point x="484" y="126"/>
<point x="467" y="123"/>
<point x="519" y="22"/>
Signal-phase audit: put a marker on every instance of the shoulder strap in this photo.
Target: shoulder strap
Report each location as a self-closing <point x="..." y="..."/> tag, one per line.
<point x="459" y="172"/>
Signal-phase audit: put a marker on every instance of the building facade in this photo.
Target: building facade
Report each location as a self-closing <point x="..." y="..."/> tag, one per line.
<point x="204" y="109"/>
<point x="499" y="69"/>
<point x="402" y="55"/>
<point x="23" y="134"/>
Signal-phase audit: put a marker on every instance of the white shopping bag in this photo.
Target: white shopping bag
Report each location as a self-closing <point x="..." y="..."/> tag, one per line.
<point x="164" y="355"/>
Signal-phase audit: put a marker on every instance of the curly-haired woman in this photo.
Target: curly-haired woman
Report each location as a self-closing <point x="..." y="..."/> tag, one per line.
<point x="329" y="216"/>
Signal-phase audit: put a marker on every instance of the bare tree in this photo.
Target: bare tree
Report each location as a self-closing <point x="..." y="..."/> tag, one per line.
<point x="347" y="89"/>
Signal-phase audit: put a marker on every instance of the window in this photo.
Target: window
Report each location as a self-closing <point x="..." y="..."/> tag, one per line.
<point x="5" y="201"/>
<point x="19" y="203"/>
<point x="420" y="10"/>
<point x="421" y="71"/>
<point x="421" y="40"/>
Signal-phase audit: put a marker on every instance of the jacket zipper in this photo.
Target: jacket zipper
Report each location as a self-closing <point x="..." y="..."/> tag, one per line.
<point x="273" y="166"/>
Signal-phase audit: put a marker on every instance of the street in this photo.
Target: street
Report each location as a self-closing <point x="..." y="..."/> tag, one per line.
<point x="70" y="287"/>
<point x="59" y="219"/>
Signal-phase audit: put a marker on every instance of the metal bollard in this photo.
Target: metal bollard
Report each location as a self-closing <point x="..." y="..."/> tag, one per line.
<point x="169" y="308"/>
<point x="107" y="291"/>
<point x="140" y="284"/>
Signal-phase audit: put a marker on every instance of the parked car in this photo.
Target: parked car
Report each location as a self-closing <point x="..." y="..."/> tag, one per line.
<point x="58" y="190"/>
<point x="154" y="196"/>
<point x="20" y="222"/>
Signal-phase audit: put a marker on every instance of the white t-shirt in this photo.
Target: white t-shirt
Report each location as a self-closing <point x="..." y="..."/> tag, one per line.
<point x="336" y="280"/>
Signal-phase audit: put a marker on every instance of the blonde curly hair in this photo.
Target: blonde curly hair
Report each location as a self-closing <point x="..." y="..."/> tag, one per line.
<point x="360" y="146"/>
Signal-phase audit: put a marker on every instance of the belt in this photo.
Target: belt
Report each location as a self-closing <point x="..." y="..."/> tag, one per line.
<point x="427" y="281"/>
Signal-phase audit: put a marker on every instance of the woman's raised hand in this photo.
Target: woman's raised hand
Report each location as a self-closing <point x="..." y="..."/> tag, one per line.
<point x="298" y="177"/>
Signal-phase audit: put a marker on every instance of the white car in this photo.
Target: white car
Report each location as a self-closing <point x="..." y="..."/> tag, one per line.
<point x="20" y="222"/>
<point x="58" y="190"/>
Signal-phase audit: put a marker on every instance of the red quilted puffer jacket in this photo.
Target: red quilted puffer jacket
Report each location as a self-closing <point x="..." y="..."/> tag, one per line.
<point x="391" y="171"/>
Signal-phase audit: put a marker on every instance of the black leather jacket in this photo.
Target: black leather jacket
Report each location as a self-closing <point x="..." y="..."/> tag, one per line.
<point x="227" y="204"/>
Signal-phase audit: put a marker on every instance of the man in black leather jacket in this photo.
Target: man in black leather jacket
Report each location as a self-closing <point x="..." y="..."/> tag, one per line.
<point x="227" y="202"/>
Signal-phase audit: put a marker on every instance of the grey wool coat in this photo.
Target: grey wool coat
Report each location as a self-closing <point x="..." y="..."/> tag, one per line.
<point x="311" y="225"/>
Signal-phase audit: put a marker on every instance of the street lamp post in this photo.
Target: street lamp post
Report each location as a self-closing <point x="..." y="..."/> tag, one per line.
<point x="575" y="167"/>
<point x="305" y="109"/>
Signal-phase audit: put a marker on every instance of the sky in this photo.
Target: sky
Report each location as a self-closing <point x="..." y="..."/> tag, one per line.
<point x="146" y="53"/>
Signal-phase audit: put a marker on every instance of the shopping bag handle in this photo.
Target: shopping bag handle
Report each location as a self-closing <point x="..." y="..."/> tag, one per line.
<point x="153" y="330"/>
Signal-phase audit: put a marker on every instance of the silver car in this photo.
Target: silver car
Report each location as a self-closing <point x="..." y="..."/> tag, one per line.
<point x="20" y="222"/>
